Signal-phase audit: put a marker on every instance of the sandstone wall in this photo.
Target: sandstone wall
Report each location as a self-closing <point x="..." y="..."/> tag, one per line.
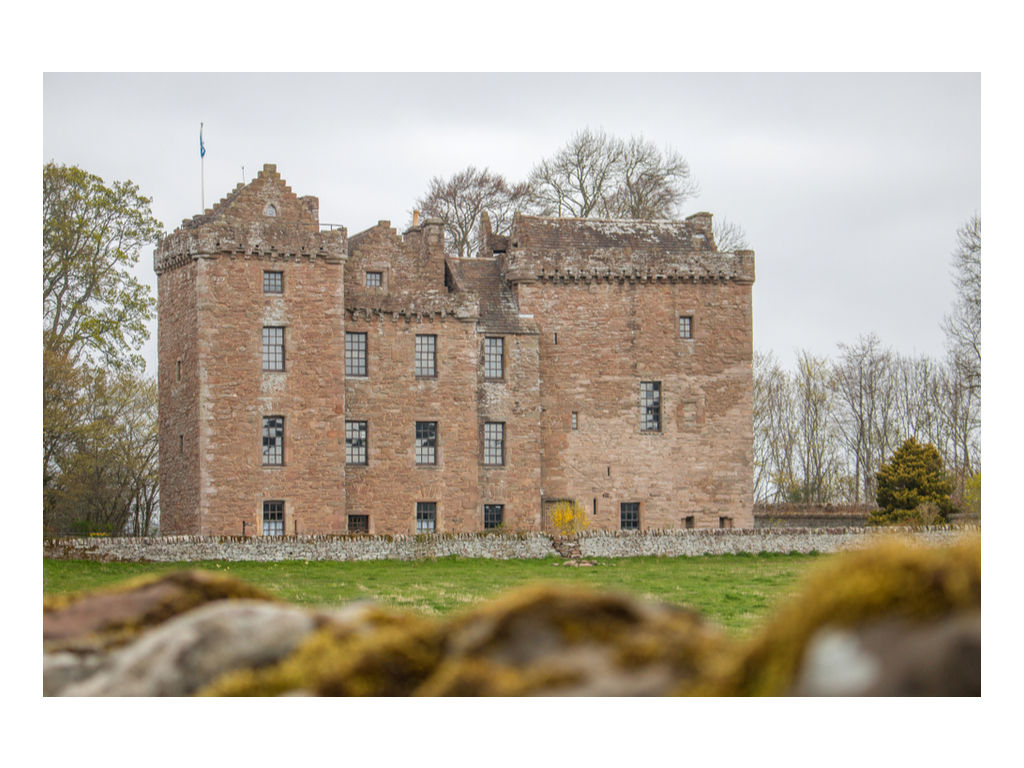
<point x="178" y="378"/>
<point x="496" y="546"/>
<point x="612" y="335"/>
<point x="213" y="309"/>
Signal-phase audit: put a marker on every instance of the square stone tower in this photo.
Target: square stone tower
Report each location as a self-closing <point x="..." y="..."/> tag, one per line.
<point x="252" y="367"/>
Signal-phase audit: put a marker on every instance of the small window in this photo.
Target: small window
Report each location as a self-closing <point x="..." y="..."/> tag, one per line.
<point x="725" y="522"/>
<point x="273" y="518"/>
<point x="494" y="444"/>
<point x="426" y="442"/>
<point x="358" y="523"/>
<point x="181" y="444"/>
<point x="374" y="279"/>
<point x="270" y="210"/>
<point x="426" y="516"/>
<point x="650" y="406"/>
<point x="629" y="516"/>
<point x="273" y="440"/>
<point x="493" y="515"/>
<point x="273" y="282"/>
<point x="575" y="420"/>
<point x="494" y="358"/>
<point x="273" y="349"/>
<point x="688" y="521"/>
<point x="426" y="356"/>
<point x="355" y="442"/>
<point x="686" y="327"/>
<point x="355" y="354"/>
<point x="178" y="370"/>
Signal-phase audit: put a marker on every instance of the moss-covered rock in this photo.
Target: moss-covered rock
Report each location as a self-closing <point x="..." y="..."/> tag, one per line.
<point x="893" y="582"/>
<point x="111" y="617"/>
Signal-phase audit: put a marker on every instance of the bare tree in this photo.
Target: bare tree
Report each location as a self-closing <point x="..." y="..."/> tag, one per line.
<point x="775" y="434"/>
<point x="963" y="326"/>
<point x="460" y="200"/>
<point x="579" y="178"/>
<point x="729" y="236"/>
<point x="597" y="175"/>
<point x="864" y="384"/>
<point x="818" y="450"/>
<point x="650" y="184"/>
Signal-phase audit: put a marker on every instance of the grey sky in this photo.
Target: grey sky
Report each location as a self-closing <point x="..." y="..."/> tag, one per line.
<point x="850" y="187"/>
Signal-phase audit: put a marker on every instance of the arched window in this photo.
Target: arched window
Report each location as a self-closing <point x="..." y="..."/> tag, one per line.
<point x="271" y="210"/>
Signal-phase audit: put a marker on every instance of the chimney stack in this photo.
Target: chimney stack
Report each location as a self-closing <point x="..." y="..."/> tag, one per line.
<point x="415" y="218"/>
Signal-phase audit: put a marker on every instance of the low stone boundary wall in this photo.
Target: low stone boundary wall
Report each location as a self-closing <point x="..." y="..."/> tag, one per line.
<point x="509" y="546"/>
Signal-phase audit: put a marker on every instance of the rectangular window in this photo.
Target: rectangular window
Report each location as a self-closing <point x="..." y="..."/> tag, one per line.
<point x="273" y="440"/>
<point x="373" y="279"/>
<point x="493" y="514"/>
<point x="629" y="516"/>
<point x="725" y="522"/>
<point x="273" y="282"/>
<point x="650" y="406"/>
<point x="426" y="442"/>
<point x="426" y="516"/>
<point x="273" y="349"/>
<point x="355" y="442"/>
<point x="358" y="523"/>
<point x="494" y="443"/>
<point x="426" y="355"/>
<point x="686" y="327"/>
<point x="688" y="521"/>
<point x="355" y="354"/>
<point x="494" y="358"/>
<point x="273" y="518"/>
<point x="575" y="420"/>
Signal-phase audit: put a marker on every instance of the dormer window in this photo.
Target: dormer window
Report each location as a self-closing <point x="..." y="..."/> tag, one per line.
<point x="270" y="210"/>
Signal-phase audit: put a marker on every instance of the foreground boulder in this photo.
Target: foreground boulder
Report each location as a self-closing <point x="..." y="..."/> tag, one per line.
<point x="891" y="621"/>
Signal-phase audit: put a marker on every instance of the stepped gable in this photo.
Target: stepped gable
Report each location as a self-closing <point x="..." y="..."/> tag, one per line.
<point x="563" y="248"/>
<point x="263" y="218"/>
<point x="498" y="310"/>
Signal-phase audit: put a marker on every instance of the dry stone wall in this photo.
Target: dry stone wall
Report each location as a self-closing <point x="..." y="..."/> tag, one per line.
<point x="534" y="545"/>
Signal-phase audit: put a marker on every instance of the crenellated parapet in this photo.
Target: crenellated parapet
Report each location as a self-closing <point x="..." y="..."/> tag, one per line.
<point x="558" y="249"/>
<point x="255" y="240"/>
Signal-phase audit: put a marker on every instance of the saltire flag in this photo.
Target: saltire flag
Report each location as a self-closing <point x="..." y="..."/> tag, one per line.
<point x="202" y="149"/>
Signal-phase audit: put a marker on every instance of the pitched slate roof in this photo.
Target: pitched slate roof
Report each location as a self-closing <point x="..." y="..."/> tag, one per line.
<point x="499" y="312"/>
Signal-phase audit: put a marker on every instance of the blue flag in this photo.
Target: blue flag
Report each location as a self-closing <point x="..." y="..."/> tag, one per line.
<point x="202" y="149"/>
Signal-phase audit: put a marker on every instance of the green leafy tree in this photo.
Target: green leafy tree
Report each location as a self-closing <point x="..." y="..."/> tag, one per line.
<point x="99" y="413"/>
<point x="92" y="236"/>
<point x="102" y="474"/>
<point x="912" y="478"/>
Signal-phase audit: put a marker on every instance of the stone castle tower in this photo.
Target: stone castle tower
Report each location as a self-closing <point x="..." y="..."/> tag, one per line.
<point x="316" y="383"/>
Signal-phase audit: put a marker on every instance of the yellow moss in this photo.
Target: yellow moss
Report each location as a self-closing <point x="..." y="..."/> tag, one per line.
<point x="480" y="677"/>
<point x="892" y="580"/>
<point x="390" y="659"/>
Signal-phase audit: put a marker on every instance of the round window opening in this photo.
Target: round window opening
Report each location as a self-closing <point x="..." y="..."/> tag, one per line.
<point x="271" y="211"/>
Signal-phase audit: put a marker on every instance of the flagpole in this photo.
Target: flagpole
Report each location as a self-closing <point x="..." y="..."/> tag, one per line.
<point x="202" y="170"/>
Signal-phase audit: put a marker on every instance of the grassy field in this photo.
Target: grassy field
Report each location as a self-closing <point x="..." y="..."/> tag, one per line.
<point x="734" y="591"/>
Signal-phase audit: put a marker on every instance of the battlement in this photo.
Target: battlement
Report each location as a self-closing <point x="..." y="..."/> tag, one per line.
<point x="557" y="249"/>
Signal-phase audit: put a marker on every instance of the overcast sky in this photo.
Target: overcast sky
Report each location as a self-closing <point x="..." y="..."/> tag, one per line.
<point x="850" y="186"/>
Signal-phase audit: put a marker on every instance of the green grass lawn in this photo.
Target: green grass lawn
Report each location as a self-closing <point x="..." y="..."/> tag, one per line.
<point x="733" y="591"/>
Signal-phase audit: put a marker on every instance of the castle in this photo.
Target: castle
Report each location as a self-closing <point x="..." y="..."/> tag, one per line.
<point x="312" y="382"/>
